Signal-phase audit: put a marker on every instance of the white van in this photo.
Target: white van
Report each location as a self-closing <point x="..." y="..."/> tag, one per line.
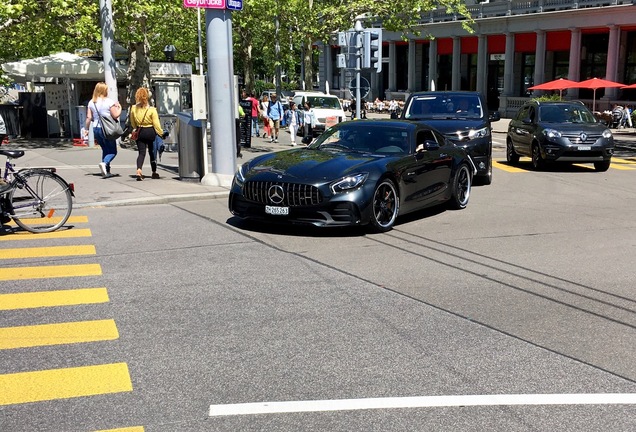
<point x="327" y="109"/>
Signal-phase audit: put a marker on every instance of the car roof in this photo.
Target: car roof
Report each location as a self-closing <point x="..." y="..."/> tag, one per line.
<point x="405" y="124"/>
<point x="446" y="92"/>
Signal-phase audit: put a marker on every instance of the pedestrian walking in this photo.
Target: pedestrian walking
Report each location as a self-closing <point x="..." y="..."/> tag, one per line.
<point x="102" y="105"/>
<point x="264" y="106"/>
<point x="275" y="114"/>
<point x="309" y="122"/>
<point x="145" y="120"/>
<point x="295" y="121"/>
<point x="3" y="130"/>
<point x="255" y="112"/>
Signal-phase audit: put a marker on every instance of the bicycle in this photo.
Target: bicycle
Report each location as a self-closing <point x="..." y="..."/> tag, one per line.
<point x="37" y="199"/>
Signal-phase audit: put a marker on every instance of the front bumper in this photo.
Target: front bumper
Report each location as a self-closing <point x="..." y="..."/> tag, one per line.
<point x="601" y="150"/>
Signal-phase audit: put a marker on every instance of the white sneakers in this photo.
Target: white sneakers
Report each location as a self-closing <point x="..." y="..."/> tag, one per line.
<point x="102" y="168"/>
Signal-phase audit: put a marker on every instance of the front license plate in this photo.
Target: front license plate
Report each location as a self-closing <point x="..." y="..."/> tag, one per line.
<point x="281" y="211"/>
<point x="584" y="148"/>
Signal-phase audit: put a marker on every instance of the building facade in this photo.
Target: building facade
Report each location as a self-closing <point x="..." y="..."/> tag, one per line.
<point x="515" y="45"/>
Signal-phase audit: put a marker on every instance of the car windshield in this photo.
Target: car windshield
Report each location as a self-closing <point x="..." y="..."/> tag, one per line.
<point x="324" y="102"/>
<point x="566" y="114"/>
<point x="365" y="138"/>
<point x="446" y="106"/>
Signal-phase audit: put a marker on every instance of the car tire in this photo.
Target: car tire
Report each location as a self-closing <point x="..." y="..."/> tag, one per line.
<point x="385" y="206"/>
<point x="511" y="155"/>
<point x="460" y="192"/>
<point x="538" y="163"/>
<point x="602" y="166"/>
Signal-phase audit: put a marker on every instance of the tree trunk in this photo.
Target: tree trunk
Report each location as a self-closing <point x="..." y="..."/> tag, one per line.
<point x="138" y="68"/>
<point x="309" y="65"/>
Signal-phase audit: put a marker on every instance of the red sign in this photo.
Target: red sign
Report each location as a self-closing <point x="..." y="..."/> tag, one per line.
<point x="208" y="4"/>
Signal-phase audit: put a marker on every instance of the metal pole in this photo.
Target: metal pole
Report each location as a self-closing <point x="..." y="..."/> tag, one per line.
<point x="204" y="132"/>
<point x="358" y="29"/>
<point x="221" y="98"/>
<point x="278" y="72"/>
<point x="108" y="30"/>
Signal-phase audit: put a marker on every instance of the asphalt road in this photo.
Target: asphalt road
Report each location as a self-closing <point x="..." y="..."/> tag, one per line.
<point x="528" y="291"/>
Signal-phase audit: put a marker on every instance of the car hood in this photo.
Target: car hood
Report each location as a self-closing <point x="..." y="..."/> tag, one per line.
<point x="309" y="166"/>
<point x="577" y="128"/>
<point x="449" y="126"/>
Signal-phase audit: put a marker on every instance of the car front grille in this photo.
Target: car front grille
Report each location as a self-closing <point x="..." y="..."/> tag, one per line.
<point x="293" y="194"/>
<point x="575" y="138"/>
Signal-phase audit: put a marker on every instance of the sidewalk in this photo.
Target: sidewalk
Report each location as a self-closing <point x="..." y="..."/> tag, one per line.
<point x="78" y="165"/>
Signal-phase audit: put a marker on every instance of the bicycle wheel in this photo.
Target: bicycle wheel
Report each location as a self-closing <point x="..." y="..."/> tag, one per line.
<point x="43" y="203"/>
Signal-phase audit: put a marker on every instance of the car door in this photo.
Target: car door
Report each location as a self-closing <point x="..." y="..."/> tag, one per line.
<point x="522" y="130"/>
<point x="426" y="172"/>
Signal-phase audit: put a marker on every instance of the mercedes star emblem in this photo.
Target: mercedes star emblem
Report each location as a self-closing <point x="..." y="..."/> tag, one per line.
<point x="275" y="194"/>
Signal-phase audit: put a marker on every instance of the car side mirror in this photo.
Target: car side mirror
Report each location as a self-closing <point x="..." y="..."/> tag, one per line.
<point x="495" y="116"/>
<point x="428" y="145"/>
<point x="526" y="121"/>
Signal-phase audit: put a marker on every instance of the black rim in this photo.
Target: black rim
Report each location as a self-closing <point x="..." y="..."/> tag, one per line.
<point x="385" y="204"/>
<point x="463" y="186"/>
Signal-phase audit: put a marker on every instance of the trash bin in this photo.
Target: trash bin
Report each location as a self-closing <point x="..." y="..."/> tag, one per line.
<point x="190" y="141"/>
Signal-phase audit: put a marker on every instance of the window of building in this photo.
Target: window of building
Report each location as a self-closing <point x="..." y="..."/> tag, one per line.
<point x="527" y="77"/>
<point x="561" y="64"/>
<point x="593" y="61"/>
<point x="444" y="72"/>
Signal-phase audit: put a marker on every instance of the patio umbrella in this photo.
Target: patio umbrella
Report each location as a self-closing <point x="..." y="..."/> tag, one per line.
<point x="596" y="83"/>
<point x="631" y="86"/>
<point x="558" y="84"/>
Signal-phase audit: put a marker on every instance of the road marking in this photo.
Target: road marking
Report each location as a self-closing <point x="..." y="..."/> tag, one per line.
<point x="57" y="334"/>
<point x="54" y="220"/>
<point x="127" y="429"/>
<point x="45" y="272"/>
<point x="49" y="251"/>
<point x="67" y="233"/>
<point x="421" y="402"/>
<point x="66" y="383"/>
<point x="619" y="166"/>
<point x="623" y="161"/>
<point x="30" y="300"/>
<point x="506" y="167"/>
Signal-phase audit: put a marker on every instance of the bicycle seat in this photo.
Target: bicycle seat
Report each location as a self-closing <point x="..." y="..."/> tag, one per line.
<point x="14" y="154"/>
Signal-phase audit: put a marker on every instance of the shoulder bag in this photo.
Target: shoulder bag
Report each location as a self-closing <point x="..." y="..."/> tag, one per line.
<point x="112" y="128"/>
<point x="134" y="135"/>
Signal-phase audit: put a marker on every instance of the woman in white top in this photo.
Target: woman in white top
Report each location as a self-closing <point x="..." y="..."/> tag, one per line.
<point x="263" y="106"/>
<point x="102" y="105"/>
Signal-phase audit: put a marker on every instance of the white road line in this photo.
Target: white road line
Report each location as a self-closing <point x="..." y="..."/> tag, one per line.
<point x="422" y="402"/>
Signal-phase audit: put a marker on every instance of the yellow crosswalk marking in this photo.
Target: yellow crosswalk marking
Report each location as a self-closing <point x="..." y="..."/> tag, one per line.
<point x="25" y="235"/>
<point x="622" y="167"/>
<point x="44" y="272"/>
<point x="66" y="383"/>
<point x="40" y="299"/>
<point x="506" y="167"/>
<point x="127" y="429"/>
<point x="623" y="161"/>
<point x="50" y="251"/>
<point x="53" y="220"/>
<point x="57" y="334"/>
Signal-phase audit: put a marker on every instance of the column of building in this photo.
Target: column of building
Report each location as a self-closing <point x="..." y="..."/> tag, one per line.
<point x="456" y="79"/>
<point x="432" y="64"/>
<point x="574" y="69"/>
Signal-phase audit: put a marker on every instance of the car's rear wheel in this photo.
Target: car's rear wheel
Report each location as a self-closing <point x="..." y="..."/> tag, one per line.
<point x="602" y="166"/>
<point x="386" y="205"/>
<point x="511" y="155"/>
<point x="538" y="163"/>
<point x="461" y="188"/>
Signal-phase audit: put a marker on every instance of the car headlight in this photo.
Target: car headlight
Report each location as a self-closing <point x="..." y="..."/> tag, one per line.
<point x="552" y="133"/>
<point x="478" y="133"/>
<point x="607" y="133"/>
<point x="348" y="183"/>
<point x="239" y="177"/>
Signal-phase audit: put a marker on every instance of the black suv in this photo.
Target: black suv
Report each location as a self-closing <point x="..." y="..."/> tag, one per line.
<point x="463" y="118"/>
<point x="563" y="131"/>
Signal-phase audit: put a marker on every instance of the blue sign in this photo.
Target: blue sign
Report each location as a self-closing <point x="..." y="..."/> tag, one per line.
<point x="234" y="4"/>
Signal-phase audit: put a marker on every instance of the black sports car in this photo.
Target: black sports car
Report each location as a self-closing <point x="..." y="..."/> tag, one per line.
<point x="357" y="173"/>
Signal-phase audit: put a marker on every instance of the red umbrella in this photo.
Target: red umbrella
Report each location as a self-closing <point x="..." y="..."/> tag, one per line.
<point x="558" y="84"/>
<point x="631" y="86"/>
<point x="596" y="83"/>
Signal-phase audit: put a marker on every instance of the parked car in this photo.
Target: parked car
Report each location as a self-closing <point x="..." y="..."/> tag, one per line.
<point x="564" y="131"/>
<point x="327" y="109"/>
<point x="364" y="172"/>
<point x="463" y="117"/>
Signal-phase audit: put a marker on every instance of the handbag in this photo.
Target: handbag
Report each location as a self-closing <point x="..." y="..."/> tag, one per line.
<point x="112" y="128"/>
<point x="134" y="135"/>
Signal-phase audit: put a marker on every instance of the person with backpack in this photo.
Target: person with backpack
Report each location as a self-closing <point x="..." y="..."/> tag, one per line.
<point x="275" y="114"/>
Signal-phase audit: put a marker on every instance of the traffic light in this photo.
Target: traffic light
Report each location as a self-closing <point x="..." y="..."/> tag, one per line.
<point x="372" y="49"/>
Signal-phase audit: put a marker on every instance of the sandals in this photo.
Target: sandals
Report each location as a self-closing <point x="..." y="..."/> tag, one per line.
<point x="140" y="176"/>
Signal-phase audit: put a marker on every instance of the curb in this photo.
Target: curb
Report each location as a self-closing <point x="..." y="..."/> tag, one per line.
<point x="167" y="199"/>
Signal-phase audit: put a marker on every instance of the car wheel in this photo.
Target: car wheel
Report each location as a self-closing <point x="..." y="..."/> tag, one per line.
<point x="537" y="161"/>
<point x="461" y="188"/>
<point x="602" y="166"/>
<point x="386" y="205"/>
<point x="511" y="155"/>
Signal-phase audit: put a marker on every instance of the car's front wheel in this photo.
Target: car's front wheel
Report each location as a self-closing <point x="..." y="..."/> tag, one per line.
<point x="511" y="155"/>
<point x="461" y="188"/>
<point x="538" y="163"/>
<point x="386" y="205"/>
<point x="602" y="166"/>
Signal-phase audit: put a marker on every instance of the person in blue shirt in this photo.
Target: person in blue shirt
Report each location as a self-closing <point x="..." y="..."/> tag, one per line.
<point x="275" y="114"/>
